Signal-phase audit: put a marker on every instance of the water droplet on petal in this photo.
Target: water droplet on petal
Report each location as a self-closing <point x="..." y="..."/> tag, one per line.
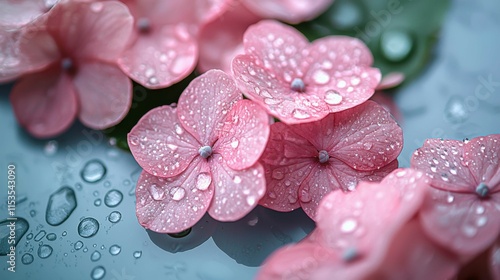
<point x="321" y="77"/>
<point x="177" y="193"/>
<point x="237" y="179"/>
<point x="305" y="196"/>
<point x="332" y="97"/>
<point x="156" y="192"/>
<point x="367" y="146"/>
<point x="178" y="129"/>
<point x="450" y="198"/>
<point x="349" y="225"/>
<point x="203" y="181"/>
<point x="278" y="174"/>
<point x="469" y="231"/>
<point x="251" y="200"/>
<point x="300" y="114"/>
<point x="235" y="143"/>
<point x="481" y="221"/>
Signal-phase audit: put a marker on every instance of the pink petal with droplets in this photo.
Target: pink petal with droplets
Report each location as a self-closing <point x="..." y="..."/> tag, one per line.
<point x="461" y="222"/>
<point x="105" y="94"/>
<point x="161" y="58"/>
<point x="360" y="225"/>
<point x="367" y="137"/>
<point x="205" y="103"/>
<point x="87" y="29"/>
<point x="236" y="192"/>
<point x="161" y="145"/>
<point x="274" y="93"/>
<point x="221" y="39"/>
<point x="297" y="261"/>
<point x="15" y="14"/>
<point x="291" y="11"/>
<point x="174" y="204"/>
<point x="481" y="155"/>
<point x="45" y="103"/>
<point x="494" y="260"/>
<point x="244" y="135"/>
<point x="413" y="256"/>
<point x="391" y="80"/>
<point x="442" y="161"/>
<point x="387" y="101"/>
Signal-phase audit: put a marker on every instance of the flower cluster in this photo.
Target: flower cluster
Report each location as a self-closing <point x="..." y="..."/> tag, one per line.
<point x="305" y="136"/>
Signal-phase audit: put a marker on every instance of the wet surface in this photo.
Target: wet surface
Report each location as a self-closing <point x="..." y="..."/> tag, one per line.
<point x="76" y="191"/>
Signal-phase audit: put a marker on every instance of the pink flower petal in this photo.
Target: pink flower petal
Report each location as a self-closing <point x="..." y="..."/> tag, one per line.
<point x="481" y="156"/>
<point x="15" y="14"/>
<point x="105" y="94"/>
<point x="391" y="80"/>
<point x="244" y="135"/>
<point x="413" y="256"/>
<point x="360" y="225"/>
<point x="88" y="29"/>
<point x="222" y="39"/>
<point x="441" y="160"/>
<point x="387" y="101"/>
<point x="291" y="11"/>
<point x="367" y="136"/>
<point x="161" y="58"/>
<point x="45" y="103"/>
<point x="204" y="104"/>
<point x="297" y="261"/>
<point x="494" y="260"/>
<point x="461" y="222"/>
<point x="161" y="145"/>
<point x="173" y="204"/>
<point x="236" y="192"/>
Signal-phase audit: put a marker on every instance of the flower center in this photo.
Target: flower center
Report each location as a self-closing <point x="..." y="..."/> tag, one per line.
<point x="205" y="151"/>
<point x="298" y="85"/>
<point x="482" y="190"/>
<point x="350" y="254"/>
<point x="143" y="25"/>
<point x="68" y="65"/>
<point x="323" y="156"/>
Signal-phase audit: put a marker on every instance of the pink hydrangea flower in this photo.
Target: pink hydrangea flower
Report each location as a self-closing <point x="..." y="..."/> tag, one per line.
<point x="71" y="61"/>
<point x="15" y="14"/>
<point x="201" y="156"/>
<point x="222" y="39"/>
<point x="300" y="82"/>
<point x="164" y="48"/>
<point x="463" y="206"/>
<point x="356" y="231"/>
<point x="305" y="162"/>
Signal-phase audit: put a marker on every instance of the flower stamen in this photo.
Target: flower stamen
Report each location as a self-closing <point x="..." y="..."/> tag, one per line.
<point x="143" y="25"/>
<point x="323" y="156"/>
<point x="205" y="151"/>
<point x="298" y="85"/>
<point x="482" y="190"/>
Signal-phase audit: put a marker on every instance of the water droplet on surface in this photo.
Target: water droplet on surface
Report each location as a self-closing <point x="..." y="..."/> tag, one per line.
<point x="64" y="233"/>
<point x="367" y="146"/>
<point x="272" y="195"/>
<point x="88" y="227"/>
<point x="235" y="143"/>
<point x="40" y="235"/>
<point x="450" y="198"/>
<point x="29" y="236"/>
<point x="78" y="245"/>
<point x="93" y="171"/>
<point x="453" y="170"/>
<point x="115" y="217"/>
<point x="444" y="177"/>
<point x="178" y="129"/>
<point x="177" y="193"/>
<point x="27" y="258"/>
<point x="97" y="202"/>
<point x="98" y="273"/>
<point x="455" y="110"/>
<point x="469" y="231"/>
<point x="51" y="236"/>
<point x="44" y="251"/>
<point x="60" y="206"/>
<point x="137" y="254"/>
<point x="305" y="196"/>
<point x="251" y="200"/>
<point x="51" y="147"/>
<point x="321" y="77"/>
<point x="113" y="198"/>
<point x="21" y="227"/>
<point x="156" y="192"/>
<point x="203" y="181"/>
<point x="349" y="225"/>
<point x="115" y="250"/>
<point x="278" y="174"/>
<point x="332" y="97"/>
<point x="95" y="256"/>
<point x="237" y="179"/>
<point x="300" y="114"/>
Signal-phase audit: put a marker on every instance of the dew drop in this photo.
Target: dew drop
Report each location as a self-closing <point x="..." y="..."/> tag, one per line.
<point x="469" y="231"/>
<point x="115" y="250"/>
<point x="305" y="196"/>
<point x="292" y="199"/>
<point x="453" y="170"/>
<point x="444" y="177"/>
<point x="20" y="230"/>
<point x="27" y="258"/>
<point x="44" y="251"/>
<point x="156" y="192"/>
<point x="237" y="179"/>
<point x="137" y="254"/>
<point x="203" y="181"/>
<point x="349" y="225"/>
<point x="433" y="168"/>
<point x="177" y="193"/>
<point x="60" y="206"/>
<point x="88" y="227"/>
<point x="235" y="143"/>
<point x="113" y="198"/>
<point x="29" y="236"/>
<point x="78" y="245"/>
<point x="51" y="236"/>
<point x="272" y="195"/>
<point x="93" y="171"/>
<point x="40" y="235"/>
<point x="95" y="256"/>
<point x="251" y="200"/>
<point x="450" y="198"/>
<point x="367" y="146"/>
<point x="278" y="174"/>
<point x="50" y="147"/>
<point x="97" y="202"/>
<point x="178" y="129"/>
<point x="98" y="273"/>
<point x="300" y="114"/>
<point x="115" y="217"/>
<point x="481" y="221"/>
<point x="321" y="77"/>
<point x="332" y="97"/>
